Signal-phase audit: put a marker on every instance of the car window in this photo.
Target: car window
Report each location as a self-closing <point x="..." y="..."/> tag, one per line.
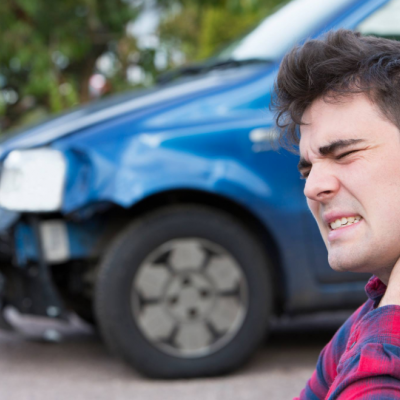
<point x="384" y="22"/>
<point x="280" y="31"/>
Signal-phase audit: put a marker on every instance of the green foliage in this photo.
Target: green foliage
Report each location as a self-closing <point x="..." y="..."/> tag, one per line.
<point x="49" y="49"/>
<point x="201" y="28"/>
<point x="220" y="27"/>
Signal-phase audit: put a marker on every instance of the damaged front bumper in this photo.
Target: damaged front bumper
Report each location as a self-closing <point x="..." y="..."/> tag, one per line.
<point x="33" y="247"/>
<point x="30" y="289"/>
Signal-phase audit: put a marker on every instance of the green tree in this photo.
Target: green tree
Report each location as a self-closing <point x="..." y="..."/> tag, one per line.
<point x="49" y="50"/>
<point x="200" y="28"/>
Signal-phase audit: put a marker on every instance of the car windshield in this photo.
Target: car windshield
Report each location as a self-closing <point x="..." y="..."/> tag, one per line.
<point x="383" y="23"/>
<point x="289" y="25"/>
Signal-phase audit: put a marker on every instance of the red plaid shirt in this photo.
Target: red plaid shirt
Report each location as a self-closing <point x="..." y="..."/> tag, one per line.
<point x="362" y="361"/>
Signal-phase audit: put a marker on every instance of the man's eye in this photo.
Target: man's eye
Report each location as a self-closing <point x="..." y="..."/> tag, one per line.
<point x="345" y="154"/>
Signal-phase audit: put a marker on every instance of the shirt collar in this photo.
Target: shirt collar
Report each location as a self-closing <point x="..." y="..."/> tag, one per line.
<point x="375" y="288"/>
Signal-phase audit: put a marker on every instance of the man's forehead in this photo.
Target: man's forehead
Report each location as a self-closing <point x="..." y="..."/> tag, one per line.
<point x="325" y="141"/>
<point x="325" y="123"/>
<point x="330" y="105"/>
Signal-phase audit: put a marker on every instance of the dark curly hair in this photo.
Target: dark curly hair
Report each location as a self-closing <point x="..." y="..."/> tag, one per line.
<point x="340" y="64"/>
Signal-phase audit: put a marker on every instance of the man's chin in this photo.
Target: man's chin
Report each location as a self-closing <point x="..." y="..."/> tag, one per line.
<point x="347" y="265"/>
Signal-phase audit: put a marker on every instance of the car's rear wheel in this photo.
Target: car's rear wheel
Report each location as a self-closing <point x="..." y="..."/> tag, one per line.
<point x="184" y="292"/>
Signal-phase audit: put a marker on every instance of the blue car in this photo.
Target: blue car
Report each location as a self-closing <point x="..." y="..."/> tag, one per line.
<point x="170" y="218"/>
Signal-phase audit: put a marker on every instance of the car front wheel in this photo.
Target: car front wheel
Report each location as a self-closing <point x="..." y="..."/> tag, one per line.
<point x="184" y="292"/>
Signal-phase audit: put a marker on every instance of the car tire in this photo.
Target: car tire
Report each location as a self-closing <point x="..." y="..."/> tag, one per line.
<point x="170" y="273"/>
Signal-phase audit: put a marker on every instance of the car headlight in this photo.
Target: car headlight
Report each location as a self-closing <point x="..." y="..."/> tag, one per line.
<point x="33" y="180"/>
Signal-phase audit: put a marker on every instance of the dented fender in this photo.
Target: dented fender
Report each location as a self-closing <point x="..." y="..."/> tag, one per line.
<point x="149" y="163"/>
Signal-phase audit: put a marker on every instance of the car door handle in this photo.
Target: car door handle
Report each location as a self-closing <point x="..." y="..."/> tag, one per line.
<point x="258" y="135"/>
<point x="264" y="139"/>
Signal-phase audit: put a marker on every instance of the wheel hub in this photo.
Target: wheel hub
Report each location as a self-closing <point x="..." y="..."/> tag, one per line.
<point x="189" y="296"/>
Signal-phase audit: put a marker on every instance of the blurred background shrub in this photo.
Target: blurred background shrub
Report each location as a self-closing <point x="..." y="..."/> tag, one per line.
<point x="55" y="55"/>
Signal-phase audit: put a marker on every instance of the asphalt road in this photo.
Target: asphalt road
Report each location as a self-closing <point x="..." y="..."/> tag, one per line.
<point x="79" y="367"/>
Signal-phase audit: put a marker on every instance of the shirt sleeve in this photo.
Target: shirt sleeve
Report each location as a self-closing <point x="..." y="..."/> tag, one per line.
<point x="325" y="372"/>
<point x="370" y="366"/>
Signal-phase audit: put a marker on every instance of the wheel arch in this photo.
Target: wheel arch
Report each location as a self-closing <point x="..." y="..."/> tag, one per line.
<point x="236" y="210"/>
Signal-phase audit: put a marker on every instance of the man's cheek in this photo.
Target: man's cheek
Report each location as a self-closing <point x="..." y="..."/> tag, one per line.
<point x="324" y="231"/>
<point x="313" y="207"/>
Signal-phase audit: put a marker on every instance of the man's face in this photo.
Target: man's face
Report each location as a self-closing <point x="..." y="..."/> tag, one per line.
<point x="350" y="156"/>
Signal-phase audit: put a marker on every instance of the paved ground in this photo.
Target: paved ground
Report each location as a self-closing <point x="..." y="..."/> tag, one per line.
<point x="79" y="367"/>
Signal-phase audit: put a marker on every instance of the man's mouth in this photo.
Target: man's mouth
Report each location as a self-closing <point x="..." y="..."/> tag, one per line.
<point x="345" y="221"/>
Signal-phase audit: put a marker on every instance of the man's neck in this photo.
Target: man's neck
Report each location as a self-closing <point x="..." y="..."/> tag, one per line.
<point x="391" y="278"/>
<point x="384" y="275"/>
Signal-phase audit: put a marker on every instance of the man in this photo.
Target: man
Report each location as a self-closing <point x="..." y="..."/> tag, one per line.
<point x="338" y="99"/>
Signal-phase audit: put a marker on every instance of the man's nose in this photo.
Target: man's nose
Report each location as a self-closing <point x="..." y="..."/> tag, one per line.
<point x="321" y="184"/>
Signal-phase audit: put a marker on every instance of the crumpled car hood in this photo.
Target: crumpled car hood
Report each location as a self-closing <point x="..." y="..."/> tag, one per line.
<point x="138" y="102"/>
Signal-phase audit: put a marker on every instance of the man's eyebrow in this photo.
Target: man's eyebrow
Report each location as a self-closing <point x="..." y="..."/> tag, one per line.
<point x="328" y="150"/>
<point x="338" y="145"/>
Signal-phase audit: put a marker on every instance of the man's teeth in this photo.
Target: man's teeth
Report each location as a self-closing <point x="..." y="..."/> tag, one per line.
<point x="344" y="222"/>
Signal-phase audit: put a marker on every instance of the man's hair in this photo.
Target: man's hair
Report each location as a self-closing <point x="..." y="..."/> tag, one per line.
<point x="340" y="64"/>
